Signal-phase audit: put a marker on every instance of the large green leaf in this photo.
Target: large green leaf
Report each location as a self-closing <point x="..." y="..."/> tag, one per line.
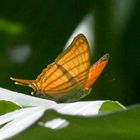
<point x="118" y="126"/>
<point x="35" y="108"/>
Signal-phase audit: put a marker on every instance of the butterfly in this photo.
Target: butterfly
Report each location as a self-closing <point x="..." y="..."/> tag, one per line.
<point x="69" y="76"/>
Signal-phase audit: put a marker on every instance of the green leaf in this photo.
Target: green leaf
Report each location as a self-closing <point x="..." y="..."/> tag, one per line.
<point x="12" y="121"/>
<point x="7" y="106"/>
<point x="117" y="126"/>
<point x="110" y="106"/>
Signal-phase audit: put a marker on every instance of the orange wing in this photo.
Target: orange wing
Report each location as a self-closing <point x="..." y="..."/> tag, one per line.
<point x="96" y="70"/>
<point x="66" y="77"/>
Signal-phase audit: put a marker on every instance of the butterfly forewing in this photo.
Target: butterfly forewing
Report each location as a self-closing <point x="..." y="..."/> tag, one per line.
<point x="68" y="73"/>
<point x="76" y="59"/>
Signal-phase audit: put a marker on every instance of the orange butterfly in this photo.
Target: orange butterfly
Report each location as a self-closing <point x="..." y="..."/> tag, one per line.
<point x="66" y="79"/>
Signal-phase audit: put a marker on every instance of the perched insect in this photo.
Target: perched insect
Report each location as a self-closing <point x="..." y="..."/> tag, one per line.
<point x="69" y="76"/>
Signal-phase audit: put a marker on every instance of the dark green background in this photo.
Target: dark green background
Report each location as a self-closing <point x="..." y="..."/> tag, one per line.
<point x="47" y="25"/>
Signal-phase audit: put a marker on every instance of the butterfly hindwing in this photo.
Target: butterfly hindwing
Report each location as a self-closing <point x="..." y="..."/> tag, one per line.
<point x="96" y="70"/>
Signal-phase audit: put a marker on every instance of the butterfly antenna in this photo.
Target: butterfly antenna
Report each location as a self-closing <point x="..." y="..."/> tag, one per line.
<point x="21" y="81"/>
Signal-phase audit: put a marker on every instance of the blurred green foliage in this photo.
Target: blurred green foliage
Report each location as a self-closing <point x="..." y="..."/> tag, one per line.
<point x="45" y="26"/>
